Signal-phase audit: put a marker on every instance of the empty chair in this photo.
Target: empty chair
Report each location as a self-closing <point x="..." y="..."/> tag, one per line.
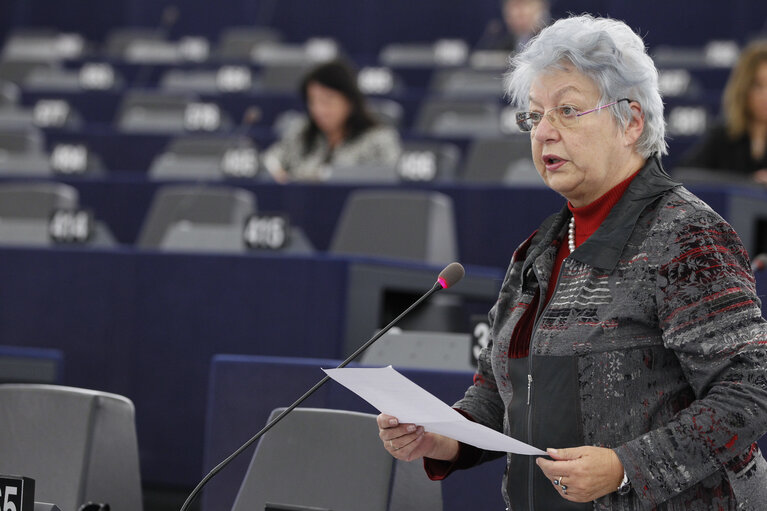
<point x="495" y="159"/>
<point x="238" y="43"/>
<point x="203" y="81"/>
<point x="120" y="41"/>
<point x="187" y="217"/>
<point x="467" y="82"/>
<point x="443" y="52"/>
<point x="361" y="173"/>
<point x="22" y="151"/>
<point x="169" y="113"/>
<point x="379" y="80"/>
<point x="78" y="445"/>
<point x="412" y="225"/>
<point x="206" y="157"/>
<point x="56" y="78"/>
<point x="42" y="45"/>
<point x="10" y="93"/>
<point x="447" y="117"/>
<point x="443" y="351"/>
<point x="715" y="53"/>
<point x="282" y="77"/>
<point x="40" y="213"/>
<point x="428" y="160"/>
<point x="16" y="71"/>
<point x="311" y="52"/>
<point x="30" y="365"/>
<point x="718" y="177"/>
<point x="26" y="209"/>
<point x="142" y="111"/>
<point x="332" y="459"/>
<point x="35" y="200"/>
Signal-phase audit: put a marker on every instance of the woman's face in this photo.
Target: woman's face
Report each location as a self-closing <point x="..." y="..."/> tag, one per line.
<point x="583" y="161"/>
<point x="328" y="107"/>
<point x="757" y="95"/>
<point x="523" y="17"/>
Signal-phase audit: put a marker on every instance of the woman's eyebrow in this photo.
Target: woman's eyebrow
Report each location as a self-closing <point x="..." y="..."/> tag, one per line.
<point x="558" y="94"/>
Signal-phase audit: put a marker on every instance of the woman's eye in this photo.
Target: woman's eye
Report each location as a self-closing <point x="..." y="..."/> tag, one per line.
<point x="568" y="111"/>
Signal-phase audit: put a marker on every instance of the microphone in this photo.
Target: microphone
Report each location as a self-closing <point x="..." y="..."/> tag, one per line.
<point x="448" y="277"/>
<point x="759" y="263"/>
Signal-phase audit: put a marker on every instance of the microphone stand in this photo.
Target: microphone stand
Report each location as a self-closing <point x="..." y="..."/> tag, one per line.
<point x="436" y="287"/>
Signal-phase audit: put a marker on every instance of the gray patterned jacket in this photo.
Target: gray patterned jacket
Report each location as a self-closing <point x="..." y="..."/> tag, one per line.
<point x="653" y="344"/>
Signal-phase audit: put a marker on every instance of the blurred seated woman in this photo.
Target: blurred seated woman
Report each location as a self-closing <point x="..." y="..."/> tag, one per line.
<point x="739" y="143"/>
<point x="339" y="130"/>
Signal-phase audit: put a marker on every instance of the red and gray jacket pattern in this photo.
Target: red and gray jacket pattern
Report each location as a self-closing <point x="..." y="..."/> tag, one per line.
<point x="653" y="344"/>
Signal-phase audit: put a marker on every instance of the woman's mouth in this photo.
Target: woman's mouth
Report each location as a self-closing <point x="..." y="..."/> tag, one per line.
<point x="552" y="162"/>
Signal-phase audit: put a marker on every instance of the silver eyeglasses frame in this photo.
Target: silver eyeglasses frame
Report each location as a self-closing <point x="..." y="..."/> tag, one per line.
<point x="528" y="121"/>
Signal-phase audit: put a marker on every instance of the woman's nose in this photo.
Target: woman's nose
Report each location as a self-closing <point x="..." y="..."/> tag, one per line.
<point x="545" y="130"/>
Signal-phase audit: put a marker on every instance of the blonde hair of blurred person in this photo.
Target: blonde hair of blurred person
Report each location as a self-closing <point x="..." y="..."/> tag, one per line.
<point x="738" y="144"/>
<point x="745" y="99"/>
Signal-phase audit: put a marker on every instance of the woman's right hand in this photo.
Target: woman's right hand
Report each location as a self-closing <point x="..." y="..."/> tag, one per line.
<point x="408" y="441"/>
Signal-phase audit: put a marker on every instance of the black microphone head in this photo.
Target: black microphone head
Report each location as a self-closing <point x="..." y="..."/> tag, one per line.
<point x="450" y="276"/>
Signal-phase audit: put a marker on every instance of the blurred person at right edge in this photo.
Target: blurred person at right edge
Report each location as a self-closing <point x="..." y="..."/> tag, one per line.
<point x="738" y="144"/>
<point x="521" y="20"/>
<point x="628" y="337"/>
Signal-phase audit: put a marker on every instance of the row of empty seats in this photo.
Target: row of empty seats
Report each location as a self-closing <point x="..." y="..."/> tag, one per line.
<point x="23" y="153"/>
<point x="412" y="225"/>
<point x="80" y="447"/>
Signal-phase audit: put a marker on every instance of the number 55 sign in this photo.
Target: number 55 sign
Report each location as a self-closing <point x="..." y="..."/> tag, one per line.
<point x="17" y="493"/>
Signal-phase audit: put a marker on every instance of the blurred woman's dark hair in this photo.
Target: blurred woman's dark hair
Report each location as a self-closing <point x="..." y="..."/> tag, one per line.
<point x="339" y="76"/>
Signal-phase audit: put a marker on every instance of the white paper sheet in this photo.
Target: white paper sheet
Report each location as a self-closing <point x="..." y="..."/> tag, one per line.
<point x="393" y="394"/>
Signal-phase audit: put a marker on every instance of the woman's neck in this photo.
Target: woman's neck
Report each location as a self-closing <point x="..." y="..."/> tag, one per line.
<point x="588" y="218"/>
<point x="335" y="138"/>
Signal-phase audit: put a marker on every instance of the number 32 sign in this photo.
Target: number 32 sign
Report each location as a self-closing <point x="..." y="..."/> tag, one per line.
<point x="17" y="493"/>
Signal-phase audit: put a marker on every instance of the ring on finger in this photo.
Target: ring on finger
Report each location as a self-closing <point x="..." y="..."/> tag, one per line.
<point x="391" y="445"/>
<point x="556" y="481"/>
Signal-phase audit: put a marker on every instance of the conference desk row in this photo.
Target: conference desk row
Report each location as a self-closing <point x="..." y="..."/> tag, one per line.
<point x="98" y="129"/>
<point x="491" y="219"/>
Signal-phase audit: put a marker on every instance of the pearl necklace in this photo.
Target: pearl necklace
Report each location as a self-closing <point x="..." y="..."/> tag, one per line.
<point x="571" y="235"/>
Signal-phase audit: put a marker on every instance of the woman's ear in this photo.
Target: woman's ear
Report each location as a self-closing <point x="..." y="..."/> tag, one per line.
<point x="635" y="127"/>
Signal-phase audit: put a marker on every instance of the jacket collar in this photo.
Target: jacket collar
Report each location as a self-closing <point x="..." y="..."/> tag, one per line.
<point x="604" y="247"/>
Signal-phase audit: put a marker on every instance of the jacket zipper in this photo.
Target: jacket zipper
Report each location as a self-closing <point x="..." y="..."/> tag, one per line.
<point x="531" y="461"/>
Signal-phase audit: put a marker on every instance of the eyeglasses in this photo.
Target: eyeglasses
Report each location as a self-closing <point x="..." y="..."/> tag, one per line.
<point x="564" y="116"/>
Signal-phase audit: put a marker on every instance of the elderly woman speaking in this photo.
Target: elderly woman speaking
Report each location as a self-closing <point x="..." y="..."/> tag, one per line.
<point x="627" y="337"/>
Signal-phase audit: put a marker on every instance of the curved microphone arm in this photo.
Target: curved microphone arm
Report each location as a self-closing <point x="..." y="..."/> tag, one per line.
<point x="447" y="278"/>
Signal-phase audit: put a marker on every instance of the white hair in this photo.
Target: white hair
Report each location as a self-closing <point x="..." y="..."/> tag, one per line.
<point x="610" y="54"/>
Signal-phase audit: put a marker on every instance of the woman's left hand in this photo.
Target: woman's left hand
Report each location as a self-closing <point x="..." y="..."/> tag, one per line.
<point x="582" y="474"/>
